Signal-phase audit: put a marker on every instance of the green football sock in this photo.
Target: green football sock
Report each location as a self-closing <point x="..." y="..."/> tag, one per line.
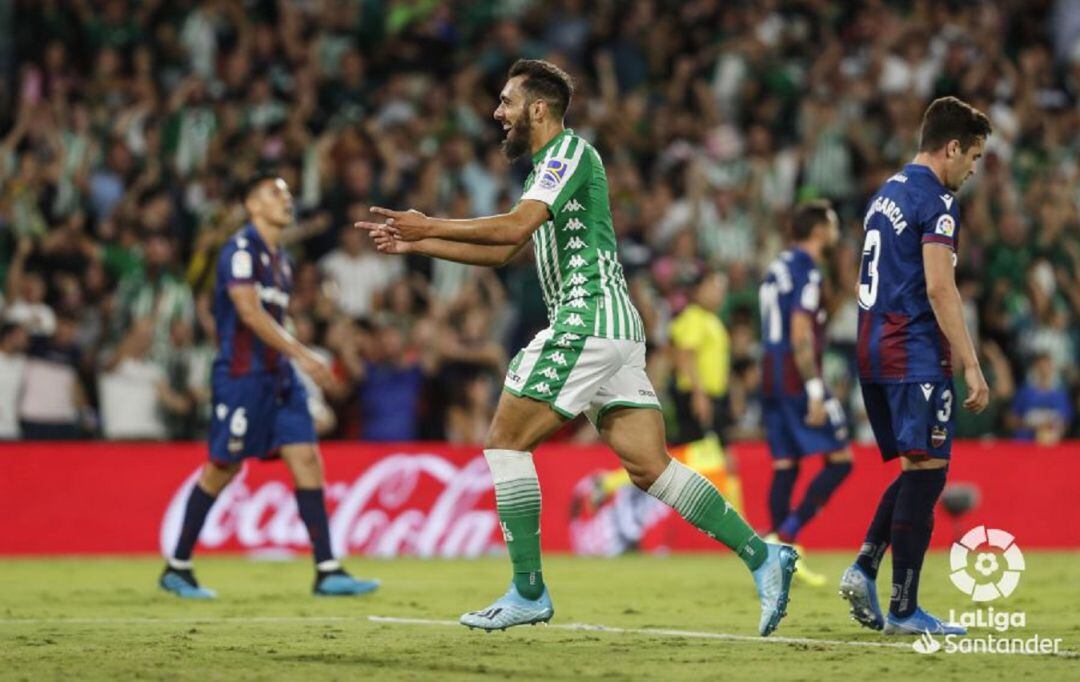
<point x="699" y="502"/>
<point x="517" y="499"/>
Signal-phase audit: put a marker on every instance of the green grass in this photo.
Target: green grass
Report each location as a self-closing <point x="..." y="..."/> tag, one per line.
<point x="127" y="628"/>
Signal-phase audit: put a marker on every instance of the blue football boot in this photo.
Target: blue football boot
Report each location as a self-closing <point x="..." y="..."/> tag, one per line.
<point x="921" y="622"/>
<point x="338" y="583"/>
<point x="860" y="591"/>
<point x="509" y="610"/>
<point x="182" y="583"/>
<point x="773" y="581"/>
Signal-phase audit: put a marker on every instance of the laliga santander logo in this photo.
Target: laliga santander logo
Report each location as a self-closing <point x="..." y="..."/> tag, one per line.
<point x="420" y="504"/>
<point x="990" y="580"/>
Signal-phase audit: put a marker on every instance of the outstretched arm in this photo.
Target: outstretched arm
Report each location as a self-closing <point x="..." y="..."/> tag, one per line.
<point x="505" y="229"/>
<point x="458" y="252"/>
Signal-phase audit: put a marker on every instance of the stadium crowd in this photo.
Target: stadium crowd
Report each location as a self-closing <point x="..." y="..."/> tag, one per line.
<point x="127" y="128"/>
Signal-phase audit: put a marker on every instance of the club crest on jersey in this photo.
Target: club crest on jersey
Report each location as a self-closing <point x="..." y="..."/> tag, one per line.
<point x="938" y="435"/>
<point x="553" y="173"/>
<point x="946" y="226"/>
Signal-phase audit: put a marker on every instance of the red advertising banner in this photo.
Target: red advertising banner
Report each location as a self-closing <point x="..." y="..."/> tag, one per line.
<point x="435" y="500"/>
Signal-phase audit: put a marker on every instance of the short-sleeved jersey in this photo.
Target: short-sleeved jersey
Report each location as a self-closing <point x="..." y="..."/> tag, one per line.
<point x="899" y="338"/>
<point x="582" y="280"/>
<point x="791" y="285"/>
<point x="247" y="260"/>
<point x="703" y="332"/>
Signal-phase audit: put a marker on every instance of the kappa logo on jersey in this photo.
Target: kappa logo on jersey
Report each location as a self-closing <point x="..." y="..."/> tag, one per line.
<point x="576" y="261"/>
<point x="550" y="373"/>
<point x="948" y="199"/>
<point x="542" y="388"/>
<point x="577" y="279"/>
<point x="578" y="303"/>
<point x="573" y="206"/>
<point x="558" y="358"/>
<point x="566" y="340"/>
<point x="576" y="243"/>
<point x="574" y="320"/>
<point x="945" y="225"/>
<point x="553" y="173"/>
<point x="574" y="225"/>
<point x="578" y="292"/>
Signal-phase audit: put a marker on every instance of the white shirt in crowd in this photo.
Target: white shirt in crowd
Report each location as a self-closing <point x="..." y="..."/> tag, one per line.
<point x="48" y="395"/>
<point x="36" y="318"/>
<point x="12" y="370"/>
<point x="359" y="278"/>
<point x="129" y="401"/>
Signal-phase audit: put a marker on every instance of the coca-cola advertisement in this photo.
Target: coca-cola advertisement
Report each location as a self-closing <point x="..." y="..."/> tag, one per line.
<point x="435" y="500"/>
<point x="419" y="504"/>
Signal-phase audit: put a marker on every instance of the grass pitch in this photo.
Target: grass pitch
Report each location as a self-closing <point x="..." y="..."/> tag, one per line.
<point x="106" y="619"/>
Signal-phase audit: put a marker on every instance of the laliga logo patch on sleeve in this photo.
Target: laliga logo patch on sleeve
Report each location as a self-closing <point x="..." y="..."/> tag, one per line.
<point x="945" y="225"/>
<point x="553" y="173"/>
<point x="241" y="265"/>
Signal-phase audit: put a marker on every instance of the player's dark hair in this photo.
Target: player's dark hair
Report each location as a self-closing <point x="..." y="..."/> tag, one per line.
<point x="544" y="80"/>
<point x="948" y="118"/>
<point x="809" y="215"/>
<point x="256" y="180"/>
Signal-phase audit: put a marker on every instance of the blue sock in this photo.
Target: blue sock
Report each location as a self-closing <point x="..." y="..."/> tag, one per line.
<point x="198" y="506"/>
<point x="821" y="489"/>
<point x="312" y="509"/>
<point x="879" y="533"/>
<point x="912" y="524"/>
<point x="783" y="482"/>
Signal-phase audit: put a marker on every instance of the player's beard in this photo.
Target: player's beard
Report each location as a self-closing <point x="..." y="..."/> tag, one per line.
<point x="517" y="138"/>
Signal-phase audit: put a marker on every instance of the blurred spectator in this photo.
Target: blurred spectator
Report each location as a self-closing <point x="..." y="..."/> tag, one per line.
<point x="390" y="389"/>
<point x="133" y="390"/>
<point x="53" y="401"/>
<point x="13" y="342"/>
<point x="998" y="375"/>
<point x="157" y="294"/>
<point x="468" y="419"/>
<point x="1042" y="410"/>
<point x="359" y="273"/>
<point x="26" y="293"/>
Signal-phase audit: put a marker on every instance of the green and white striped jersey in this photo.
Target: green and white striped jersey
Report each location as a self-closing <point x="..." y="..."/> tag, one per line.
<point x="582" y="280"/>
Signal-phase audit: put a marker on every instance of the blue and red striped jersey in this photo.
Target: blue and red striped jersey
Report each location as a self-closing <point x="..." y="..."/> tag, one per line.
<point x="792" y="285"/>
<point x="246" y="260"/>
<point x="899" y="338"/>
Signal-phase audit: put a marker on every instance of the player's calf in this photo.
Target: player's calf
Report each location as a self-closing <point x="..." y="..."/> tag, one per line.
<point x="912" y="524"/>
<point x="820" y="490"/>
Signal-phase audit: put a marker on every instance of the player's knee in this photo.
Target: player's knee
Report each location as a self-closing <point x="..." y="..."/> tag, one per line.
<point x="644" y="472"/>
<point x="306" y="464"/>
<point x="499" y="437"/>
<point x="216" y="475"/>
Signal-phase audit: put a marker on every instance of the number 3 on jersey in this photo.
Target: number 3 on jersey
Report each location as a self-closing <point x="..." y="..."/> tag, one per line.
<point x="868" y="277"/>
